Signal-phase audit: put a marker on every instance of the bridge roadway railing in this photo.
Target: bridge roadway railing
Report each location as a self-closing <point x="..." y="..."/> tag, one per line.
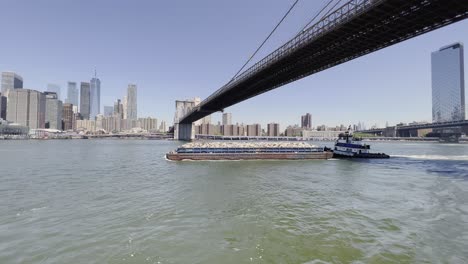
<point x="341" y="15"/>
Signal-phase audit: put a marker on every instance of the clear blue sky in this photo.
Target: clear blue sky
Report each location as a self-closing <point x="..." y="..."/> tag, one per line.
<point x="181" y="49"/>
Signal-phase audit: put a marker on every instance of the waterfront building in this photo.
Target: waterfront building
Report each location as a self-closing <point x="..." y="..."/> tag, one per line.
<point x="113" y="124"/>
<point x="207" y="129"/>
<point x="293" y="131"/>
<point x="241" y="131"/>
<point x="86" y="125"/>
<point x="85" y="100"/>
<point x="10" y="81"/>
<point x="55" y="88"/>
<point x="273" y="130"/>
<point x="148" y="123"/>
<point x="306" y="121"/>
<point x="448" y="84"/>
<point x="328" y="135"/>
<point x="229" y="130"/>
<point x="95" y="98"/>
<point x="3" y="106"/>
<point x="67" y="117"/>
<point x="132" y="102"/>
<point x="72" y="94"/>
<point x="11" y="129"/>
<point x="254" y="130"/>
<point x="108" y="110"/>
<point x="26" y="107"/>
<point x="227" y="119"/>
<point x="53" y="117"/>
<point x="99" y="122"/>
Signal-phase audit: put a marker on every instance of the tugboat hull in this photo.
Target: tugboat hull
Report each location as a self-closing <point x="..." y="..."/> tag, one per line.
<point x="363" y="156"/>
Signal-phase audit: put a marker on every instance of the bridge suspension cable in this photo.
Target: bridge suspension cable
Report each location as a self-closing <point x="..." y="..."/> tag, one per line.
<point x="263" y="43"/>
<point x="317" y="15"/>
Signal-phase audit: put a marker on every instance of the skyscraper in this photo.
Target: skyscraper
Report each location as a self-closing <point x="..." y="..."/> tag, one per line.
<point x="227" y="119"/>
<point x="124" y="107"/>
<point x="53" y="117"/>
<point x="67" y="116"/>
<point x="95" y="98"/>
<point x="85" y="100"/>
<point x="72" y="94"/>
<point x="10" y="81"/>
<point x="306" y="121"/>
<point x="118" y="109"/>
<point x="448" y="84"/>
<point x="55" y="88"/>
<point x="26" y="107"/>
<point x="132" y="102"/>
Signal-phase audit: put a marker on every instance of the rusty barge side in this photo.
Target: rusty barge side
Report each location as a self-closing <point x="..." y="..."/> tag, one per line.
<point x="250" y="156"/>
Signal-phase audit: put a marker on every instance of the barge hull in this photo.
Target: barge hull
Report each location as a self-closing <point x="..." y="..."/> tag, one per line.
<point x="250" y="156"/>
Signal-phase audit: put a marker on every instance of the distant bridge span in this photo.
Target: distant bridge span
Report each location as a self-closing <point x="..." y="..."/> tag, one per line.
<point x="449" y="124"/>
<point x="357" y="28"/>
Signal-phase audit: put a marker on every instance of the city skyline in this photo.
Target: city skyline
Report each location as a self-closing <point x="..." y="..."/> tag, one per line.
<point x="405" y="68"/>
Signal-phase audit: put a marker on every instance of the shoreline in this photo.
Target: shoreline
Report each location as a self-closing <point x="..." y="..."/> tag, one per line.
<point x="143" y="137"/>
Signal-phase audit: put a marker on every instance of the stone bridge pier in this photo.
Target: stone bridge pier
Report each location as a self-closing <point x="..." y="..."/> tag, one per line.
<point x="184" y="132"/>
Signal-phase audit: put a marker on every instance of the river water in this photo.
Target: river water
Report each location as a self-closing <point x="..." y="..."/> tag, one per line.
<point x="120" y="201"/>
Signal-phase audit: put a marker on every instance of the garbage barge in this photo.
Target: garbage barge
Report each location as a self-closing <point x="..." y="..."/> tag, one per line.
<point x="249" y="151"/>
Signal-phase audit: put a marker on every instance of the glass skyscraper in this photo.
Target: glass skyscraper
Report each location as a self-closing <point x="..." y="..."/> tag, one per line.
<point x="95" y="97"/>
<point x="448" y="84"/>
<point x="72" y="94"/>
<point x="84" y="100"/>
<point x="132" y="102"/>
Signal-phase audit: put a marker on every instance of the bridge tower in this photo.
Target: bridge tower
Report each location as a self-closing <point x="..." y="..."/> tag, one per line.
<point x="184" y="130"/>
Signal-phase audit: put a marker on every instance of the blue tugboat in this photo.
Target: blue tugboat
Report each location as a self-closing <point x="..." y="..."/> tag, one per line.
<point x="348" y="147"/>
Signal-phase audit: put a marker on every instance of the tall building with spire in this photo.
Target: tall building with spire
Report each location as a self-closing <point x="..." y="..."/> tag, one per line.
<point x="95" y="97"/>
<point x="132" y="102"/>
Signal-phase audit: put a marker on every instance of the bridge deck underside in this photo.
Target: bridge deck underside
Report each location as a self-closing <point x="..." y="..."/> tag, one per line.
<point x="381" y="25"/>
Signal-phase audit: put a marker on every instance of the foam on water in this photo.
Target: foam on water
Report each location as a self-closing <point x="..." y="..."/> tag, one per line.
<point x="432" y="157"/>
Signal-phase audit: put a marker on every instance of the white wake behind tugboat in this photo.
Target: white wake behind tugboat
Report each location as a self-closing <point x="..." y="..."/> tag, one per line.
<point x="348" y="147"/>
